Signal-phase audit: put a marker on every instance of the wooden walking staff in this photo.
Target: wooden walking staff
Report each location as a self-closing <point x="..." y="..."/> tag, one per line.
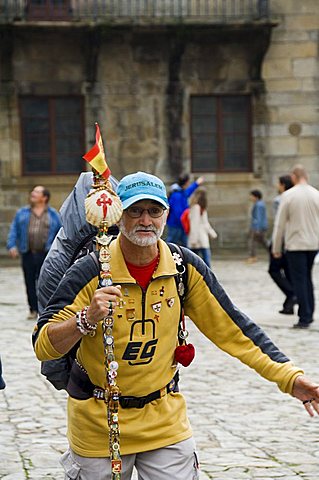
<point x="103" y="208"/>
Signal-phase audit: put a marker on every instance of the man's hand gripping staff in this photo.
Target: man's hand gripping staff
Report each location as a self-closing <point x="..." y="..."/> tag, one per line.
<point x="103" y="303"/>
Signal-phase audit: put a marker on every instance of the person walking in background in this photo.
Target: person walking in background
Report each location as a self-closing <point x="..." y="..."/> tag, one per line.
<point x="178" y="203"/>
<point x="258" y="225"/>
<point x="200" y="228"/>
<point x="31" y="234"/>
<point x="278" y="267"/>
<point x="297" y="224"/>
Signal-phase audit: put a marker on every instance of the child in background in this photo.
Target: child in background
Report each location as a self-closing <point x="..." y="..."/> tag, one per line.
<point x="200" y="228"/>
<point x="258" y="225"/>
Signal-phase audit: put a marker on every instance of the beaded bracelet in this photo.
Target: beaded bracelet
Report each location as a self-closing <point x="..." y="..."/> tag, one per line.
<point x="86" y="324"/>
<point x="82" y="323"/>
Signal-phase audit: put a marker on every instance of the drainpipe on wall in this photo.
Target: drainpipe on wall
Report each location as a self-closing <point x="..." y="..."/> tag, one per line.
<point x="174" y="108"/>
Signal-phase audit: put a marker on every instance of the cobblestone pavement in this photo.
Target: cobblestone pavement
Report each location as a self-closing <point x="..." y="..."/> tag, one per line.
<point x="245" y="427"/>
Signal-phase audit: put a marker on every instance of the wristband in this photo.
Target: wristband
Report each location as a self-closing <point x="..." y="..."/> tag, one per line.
<point x="82" y="323"/>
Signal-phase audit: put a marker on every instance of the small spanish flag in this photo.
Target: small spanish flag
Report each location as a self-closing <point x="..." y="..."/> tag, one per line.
<point x="96" y="156"/>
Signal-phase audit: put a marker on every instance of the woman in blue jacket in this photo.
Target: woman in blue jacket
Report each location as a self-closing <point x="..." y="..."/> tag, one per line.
<point x="178" y="203"/>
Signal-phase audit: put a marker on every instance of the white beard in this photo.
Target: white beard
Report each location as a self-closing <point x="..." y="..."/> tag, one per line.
<point x="134" y="237"/>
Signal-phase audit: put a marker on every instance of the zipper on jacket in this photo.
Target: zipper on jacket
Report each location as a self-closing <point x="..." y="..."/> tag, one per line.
<point x="144" y="297"/>
<point x="143" y="304"/>
<point x="143" y="310"/>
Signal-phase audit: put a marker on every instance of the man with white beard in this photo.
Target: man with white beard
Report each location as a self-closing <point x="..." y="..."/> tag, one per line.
<point x="155" y="433"/>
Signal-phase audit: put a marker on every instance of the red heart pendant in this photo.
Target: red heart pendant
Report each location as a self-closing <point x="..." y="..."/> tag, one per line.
<point x="184" y="354"/>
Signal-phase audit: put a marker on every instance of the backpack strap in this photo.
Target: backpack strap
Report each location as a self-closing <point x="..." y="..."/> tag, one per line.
<point x="181" y="286"/>
<point x="95" y="259"/>
<point x="86" y="246"/>
<point x="181" y="279"/>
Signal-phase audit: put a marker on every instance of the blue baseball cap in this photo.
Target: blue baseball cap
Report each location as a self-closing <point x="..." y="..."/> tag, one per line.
<point x="141" y="186"/>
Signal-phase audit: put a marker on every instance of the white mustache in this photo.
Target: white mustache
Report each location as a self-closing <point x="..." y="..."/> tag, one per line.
<point x="144" y="229"/>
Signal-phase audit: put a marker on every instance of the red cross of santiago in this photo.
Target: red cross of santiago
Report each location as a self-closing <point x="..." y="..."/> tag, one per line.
<point x="103" y="201"/>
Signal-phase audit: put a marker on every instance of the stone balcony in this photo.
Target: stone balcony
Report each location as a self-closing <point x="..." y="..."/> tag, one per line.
<point x="136" y="12"/>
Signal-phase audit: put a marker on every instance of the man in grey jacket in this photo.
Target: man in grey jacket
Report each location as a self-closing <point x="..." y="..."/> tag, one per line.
<point x="297" y="223"/>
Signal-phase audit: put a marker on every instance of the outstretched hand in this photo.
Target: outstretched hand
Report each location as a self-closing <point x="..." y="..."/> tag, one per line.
<point x="308" y="393"/>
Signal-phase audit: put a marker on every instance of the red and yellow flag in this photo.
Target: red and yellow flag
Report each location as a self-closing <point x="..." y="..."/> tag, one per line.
<point x="96" y="156"/>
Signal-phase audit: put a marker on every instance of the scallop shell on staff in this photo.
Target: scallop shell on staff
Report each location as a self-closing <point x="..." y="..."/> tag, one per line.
<point x="103" y="205"/>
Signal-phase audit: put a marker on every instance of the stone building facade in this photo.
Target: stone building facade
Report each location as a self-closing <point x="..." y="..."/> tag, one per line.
<point x="230" y="93"/>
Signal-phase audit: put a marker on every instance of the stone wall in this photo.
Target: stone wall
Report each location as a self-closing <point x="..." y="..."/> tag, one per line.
<point x="137" y="84"/>
<point x="291" y="74"/>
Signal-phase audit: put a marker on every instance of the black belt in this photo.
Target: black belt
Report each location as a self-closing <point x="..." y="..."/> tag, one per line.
<point x="80" y="387"/>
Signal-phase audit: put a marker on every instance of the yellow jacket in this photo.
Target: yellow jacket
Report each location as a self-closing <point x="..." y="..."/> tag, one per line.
<point x="145" y="333"/>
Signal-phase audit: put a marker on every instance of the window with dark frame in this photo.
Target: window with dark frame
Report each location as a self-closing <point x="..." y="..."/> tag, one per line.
<point x="52" y="134"/>
<point x="221" y="133"/>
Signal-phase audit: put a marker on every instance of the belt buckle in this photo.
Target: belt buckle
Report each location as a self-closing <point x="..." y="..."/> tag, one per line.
<point x="129" y="402"/>
<point x="132" y="402"/>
